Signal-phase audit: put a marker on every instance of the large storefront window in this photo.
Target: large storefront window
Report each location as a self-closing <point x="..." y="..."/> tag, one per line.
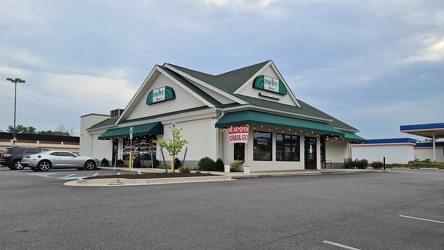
<point x="262" y="144"/>
<point x="288" y="147"/>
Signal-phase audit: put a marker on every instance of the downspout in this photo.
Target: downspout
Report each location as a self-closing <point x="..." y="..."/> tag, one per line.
<point x="92" y="144"/>
<point x="217" y="135"/>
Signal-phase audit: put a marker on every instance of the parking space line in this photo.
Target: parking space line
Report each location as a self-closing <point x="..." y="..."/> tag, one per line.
<point x="340" y="245"/>
<point x="440" y="202"/>
<point x="416" y="218"/>
<point x="95" y="174"/>
<point x="70" y="175"/>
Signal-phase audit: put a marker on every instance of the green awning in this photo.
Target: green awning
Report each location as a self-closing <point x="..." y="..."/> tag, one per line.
<point x="353" y="138"/>
<point x="154" y="128"/>
<point x="259" y="118"/>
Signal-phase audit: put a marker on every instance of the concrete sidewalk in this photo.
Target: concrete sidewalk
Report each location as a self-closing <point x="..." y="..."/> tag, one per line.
<point x="217" y="176"/>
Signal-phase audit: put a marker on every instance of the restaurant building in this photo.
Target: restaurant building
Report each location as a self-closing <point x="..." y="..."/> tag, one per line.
<point x="247" y="114"/>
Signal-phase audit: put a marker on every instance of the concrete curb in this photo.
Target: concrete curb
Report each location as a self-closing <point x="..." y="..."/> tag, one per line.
<point x="218" y="176"/>
<point x="138" y="182"/>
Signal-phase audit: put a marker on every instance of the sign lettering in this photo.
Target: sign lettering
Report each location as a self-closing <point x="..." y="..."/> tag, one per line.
<point x="160" y="95"/>
<point x="270" y="84"/>
<point x="238" y="134"/>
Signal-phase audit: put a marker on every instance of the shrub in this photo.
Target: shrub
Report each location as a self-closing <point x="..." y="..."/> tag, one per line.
<point x="185" y="169"/>
<point x="348" y="163"/>
<point x="120" y="164"/>
<point x="377" y="164"/>
<point x="219" y="165"/>
<point x="104" y="162"/>
<point x="137" y="164"/>
<point x="177" y="163"/>
<point x="234" y="166"/>
<point x="155" y="163"/>
<point x="360" y="164"/>
<point x="206" y="164"/>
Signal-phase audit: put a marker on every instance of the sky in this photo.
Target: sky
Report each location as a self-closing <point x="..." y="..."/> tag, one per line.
<point x="375" y="65"/>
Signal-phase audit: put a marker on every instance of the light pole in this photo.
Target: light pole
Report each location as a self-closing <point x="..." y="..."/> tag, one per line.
<point x="15" y="81"/>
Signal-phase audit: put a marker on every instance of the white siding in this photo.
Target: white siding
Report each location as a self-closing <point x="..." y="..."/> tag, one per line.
<point x="248" y="90"/>
<point x="89" y="143"/>
<point x="184" y="100"/>
<point x="427" y="153"/>
<point x="336" y="151"/>
<point x="393" y="153"/>
<point x="201" y="135"/>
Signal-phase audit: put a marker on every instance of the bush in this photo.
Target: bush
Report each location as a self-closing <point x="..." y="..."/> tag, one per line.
<point x="104" y="162"/>
<point x="219" y="165"/>
<point x="185" y="169"/>
<point x="137" y="164"/>
<point x="155" y="163"/>
<point x="360" y="164"/>
<point x="348" y="163"/>
<point x="177" y="163"/>
<point x="234" y="166"/>
<point x="425" y="164"/>
<point x="206" y="164"/>
<point x="377" y="164"/>
<point x="120" y="164"/>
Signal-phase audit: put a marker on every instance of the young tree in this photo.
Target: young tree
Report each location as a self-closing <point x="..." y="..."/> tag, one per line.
<point x="173" y="146"/>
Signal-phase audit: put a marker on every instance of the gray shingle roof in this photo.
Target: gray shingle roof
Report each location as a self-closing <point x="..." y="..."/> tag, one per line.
<point x="232" y="80"/>
<point x="229" y="82"/>
<point x="105" y="123"/>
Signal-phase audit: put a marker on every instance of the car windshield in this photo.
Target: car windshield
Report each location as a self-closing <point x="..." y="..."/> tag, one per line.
<point x="17" y="150"/>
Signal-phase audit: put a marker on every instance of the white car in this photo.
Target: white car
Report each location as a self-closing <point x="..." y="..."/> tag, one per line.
<point x="59" y="159"/>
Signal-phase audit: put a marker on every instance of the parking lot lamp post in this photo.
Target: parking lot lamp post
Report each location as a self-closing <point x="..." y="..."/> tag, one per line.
<point x="15" y="81"/>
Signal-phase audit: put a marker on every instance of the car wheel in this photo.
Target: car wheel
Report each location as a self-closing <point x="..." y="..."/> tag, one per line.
<point x="44" y="165"/>
<point x="35" y="169"/>
<point x="18" y="165"/>
<point x="90" y="165"/>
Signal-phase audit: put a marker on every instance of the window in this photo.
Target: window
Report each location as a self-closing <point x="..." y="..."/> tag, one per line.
<point x="239" y="151"/>
<point x="287" y="147"/>
<point x="262" y="147"/>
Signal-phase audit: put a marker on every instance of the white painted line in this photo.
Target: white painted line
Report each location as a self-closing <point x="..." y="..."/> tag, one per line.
<point x="118" y="173"/>
<point x="416" y="218"/>
<point x="70" y="175"/>
<point x="440" y="202"/>
<point x="95" y="174"/>
<point x="138" y="172"/>
<point x="339" y="245"/>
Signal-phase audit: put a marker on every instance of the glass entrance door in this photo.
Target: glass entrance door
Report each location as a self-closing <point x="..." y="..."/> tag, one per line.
<point x="310" y="153"/>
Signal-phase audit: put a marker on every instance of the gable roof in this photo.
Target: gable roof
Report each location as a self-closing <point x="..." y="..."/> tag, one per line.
<point x="230" y="81"/>
<point x="227" y="83"/>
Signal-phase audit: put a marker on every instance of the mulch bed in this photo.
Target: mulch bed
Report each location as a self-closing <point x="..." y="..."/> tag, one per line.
<point x="150" y="175"/>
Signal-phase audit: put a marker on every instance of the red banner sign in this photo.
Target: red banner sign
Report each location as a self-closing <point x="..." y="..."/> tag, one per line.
<point x="238" y="134"/>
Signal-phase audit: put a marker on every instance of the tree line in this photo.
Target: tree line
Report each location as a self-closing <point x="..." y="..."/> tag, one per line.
<point x="60" y="130"/>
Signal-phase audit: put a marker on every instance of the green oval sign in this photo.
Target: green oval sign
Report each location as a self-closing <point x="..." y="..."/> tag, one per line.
<point x="160" y="94"/>
<point x="270" y="84"/>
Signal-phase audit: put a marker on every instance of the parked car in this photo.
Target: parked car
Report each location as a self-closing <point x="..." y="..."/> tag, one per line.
<point x="12" y="156"/>
<point x="59" y="159"/>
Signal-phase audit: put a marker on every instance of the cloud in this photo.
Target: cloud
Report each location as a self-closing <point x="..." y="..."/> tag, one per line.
<point x="88" y="91"/>
<point x="433" y="51"/>
<point x="12" y="72"/>
<point x="22" y="56"/>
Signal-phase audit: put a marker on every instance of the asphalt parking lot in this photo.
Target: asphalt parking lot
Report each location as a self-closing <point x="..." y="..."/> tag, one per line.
<point x="402" y="209"/>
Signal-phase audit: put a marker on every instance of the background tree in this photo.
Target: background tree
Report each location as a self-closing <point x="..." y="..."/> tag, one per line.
<point x="22" y="129"/>
<point x="60" y="130"/>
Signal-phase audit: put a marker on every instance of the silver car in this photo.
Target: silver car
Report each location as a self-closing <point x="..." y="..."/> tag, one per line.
<point x="59" y="159"/>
